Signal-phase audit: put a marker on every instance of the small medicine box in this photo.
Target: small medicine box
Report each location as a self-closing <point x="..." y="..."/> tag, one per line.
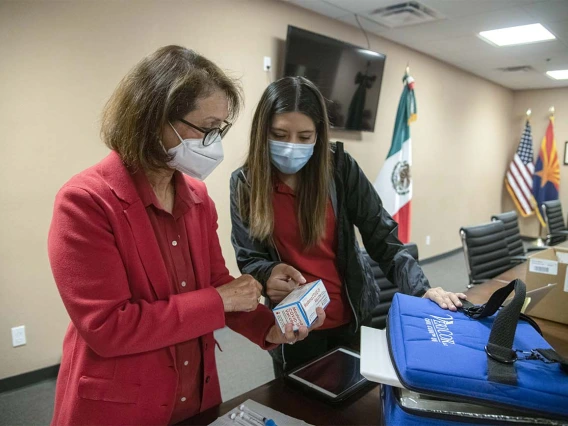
<point x="299" y="307"/>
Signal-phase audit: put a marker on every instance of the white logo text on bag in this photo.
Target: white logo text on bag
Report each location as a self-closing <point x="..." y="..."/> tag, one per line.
<point x="438" y="328"/>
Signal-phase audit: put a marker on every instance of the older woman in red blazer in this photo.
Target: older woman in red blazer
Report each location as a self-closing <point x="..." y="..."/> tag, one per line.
<point x="134" y="251"/>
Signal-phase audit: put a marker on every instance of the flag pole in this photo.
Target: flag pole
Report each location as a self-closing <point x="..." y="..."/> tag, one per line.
<point x="540" y="242"/>
<point x="551" y="116"/>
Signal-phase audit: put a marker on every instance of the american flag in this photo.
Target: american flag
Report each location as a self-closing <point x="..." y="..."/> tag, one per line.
<point x="519" y="179"/>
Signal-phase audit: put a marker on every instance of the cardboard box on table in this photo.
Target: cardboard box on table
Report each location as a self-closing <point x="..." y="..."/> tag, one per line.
<point x="549" y="267"/>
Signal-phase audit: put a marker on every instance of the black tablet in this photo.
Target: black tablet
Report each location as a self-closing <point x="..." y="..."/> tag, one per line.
<point x="333" y="377"/>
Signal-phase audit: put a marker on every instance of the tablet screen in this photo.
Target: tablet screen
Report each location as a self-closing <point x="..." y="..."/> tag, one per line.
<point x="334" y="374"/>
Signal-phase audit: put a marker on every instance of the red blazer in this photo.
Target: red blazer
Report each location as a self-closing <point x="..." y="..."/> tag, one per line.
<point x="118" y="364"/>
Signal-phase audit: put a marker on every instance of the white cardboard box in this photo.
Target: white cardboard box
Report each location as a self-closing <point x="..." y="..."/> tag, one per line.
<point x="299" y="307"/>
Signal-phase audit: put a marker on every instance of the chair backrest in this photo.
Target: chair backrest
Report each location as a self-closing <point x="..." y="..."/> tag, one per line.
<point x="387" y="289"/>
<point x="512" y="232"/>
<point x="486" y="251"/>
<point x="552" y="212"/>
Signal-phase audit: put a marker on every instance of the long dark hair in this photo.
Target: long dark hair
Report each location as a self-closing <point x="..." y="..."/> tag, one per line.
<point x="289" y="94"/>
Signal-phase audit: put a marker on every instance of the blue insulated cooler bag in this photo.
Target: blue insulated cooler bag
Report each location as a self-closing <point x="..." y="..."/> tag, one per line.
<point x="473" y="365"/>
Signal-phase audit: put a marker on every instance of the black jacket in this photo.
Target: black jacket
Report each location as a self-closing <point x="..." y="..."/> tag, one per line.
<point x="356" y="203"/>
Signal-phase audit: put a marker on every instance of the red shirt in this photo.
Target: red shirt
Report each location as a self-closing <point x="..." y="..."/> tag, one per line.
<point x="318" y="262"/>
<point x="171" y="236"/>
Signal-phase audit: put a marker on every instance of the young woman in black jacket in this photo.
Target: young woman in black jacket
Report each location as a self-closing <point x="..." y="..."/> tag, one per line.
<point x="294" y="205"/>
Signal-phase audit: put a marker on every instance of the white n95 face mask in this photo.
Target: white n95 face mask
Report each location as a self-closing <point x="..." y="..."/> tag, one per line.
<point x="194" y="159"/>
<point x="289" y="157"/>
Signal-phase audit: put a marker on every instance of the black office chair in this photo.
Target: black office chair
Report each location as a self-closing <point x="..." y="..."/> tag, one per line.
<point x="555" y="228"/>
<point x="388" y="289"/>
<point x="486" y="251"/>
<point x="517" y="250"/>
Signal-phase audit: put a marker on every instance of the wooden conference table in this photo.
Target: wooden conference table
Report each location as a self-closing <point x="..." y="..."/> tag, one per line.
<point x="365" y="409"/>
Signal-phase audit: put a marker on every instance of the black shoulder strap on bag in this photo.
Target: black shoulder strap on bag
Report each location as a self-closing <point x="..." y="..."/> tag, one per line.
<point x="499" y="348"/>
<point x="470" y="310"/>
<point x="492" y="305"/>
<point x="550" y="355"/>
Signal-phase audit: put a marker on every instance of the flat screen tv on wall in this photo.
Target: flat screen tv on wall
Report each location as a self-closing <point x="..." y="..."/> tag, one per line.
<point x="348" y="76"/>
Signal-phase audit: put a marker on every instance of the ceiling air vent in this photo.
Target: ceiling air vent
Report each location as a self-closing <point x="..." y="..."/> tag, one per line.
<point x="403" y="14"/>
<point x="520" y="68"/>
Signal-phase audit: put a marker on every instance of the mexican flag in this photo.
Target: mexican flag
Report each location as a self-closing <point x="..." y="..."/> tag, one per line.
<point x="394" y="183"/>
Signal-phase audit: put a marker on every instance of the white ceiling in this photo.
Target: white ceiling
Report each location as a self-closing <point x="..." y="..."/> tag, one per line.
<point x="454" y="39"/>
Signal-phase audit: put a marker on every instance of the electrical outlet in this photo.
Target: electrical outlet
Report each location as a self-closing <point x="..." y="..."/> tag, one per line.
<point x="267" y="63"/>
<point x="427" y="240"/>
<point x="18" y="336"/>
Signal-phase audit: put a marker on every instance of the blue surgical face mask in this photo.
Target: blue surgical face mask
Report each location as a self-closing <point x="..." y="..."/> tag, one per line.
<point x="289" y="157"/>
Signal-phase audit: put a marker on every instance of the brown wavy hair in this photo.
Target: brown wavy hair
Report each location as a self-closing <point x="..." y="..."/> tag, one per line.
<point x="289" y="94"/>
<point x="162" y="87"/>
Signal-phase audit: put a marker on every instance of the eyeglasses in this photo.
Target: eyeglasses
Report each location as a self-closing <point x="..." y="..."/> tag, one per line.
<point x="210" y="135"/>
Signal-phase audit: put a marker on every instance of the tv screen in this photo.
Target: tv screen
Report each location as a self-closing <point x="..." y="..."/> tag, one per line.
<point x="349" y="77"/>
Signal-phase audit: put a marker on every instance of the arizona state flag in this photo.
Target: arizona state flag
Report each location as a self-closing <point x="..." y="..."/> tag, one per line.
<point x="546" y="178"/>
<point x="394" y="183"/>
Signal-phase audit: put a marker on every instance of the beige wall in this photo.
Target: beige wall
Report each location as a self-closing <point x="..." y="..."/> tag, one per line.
<point x="62" y="60"/>
<point x="540" y="101"/>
